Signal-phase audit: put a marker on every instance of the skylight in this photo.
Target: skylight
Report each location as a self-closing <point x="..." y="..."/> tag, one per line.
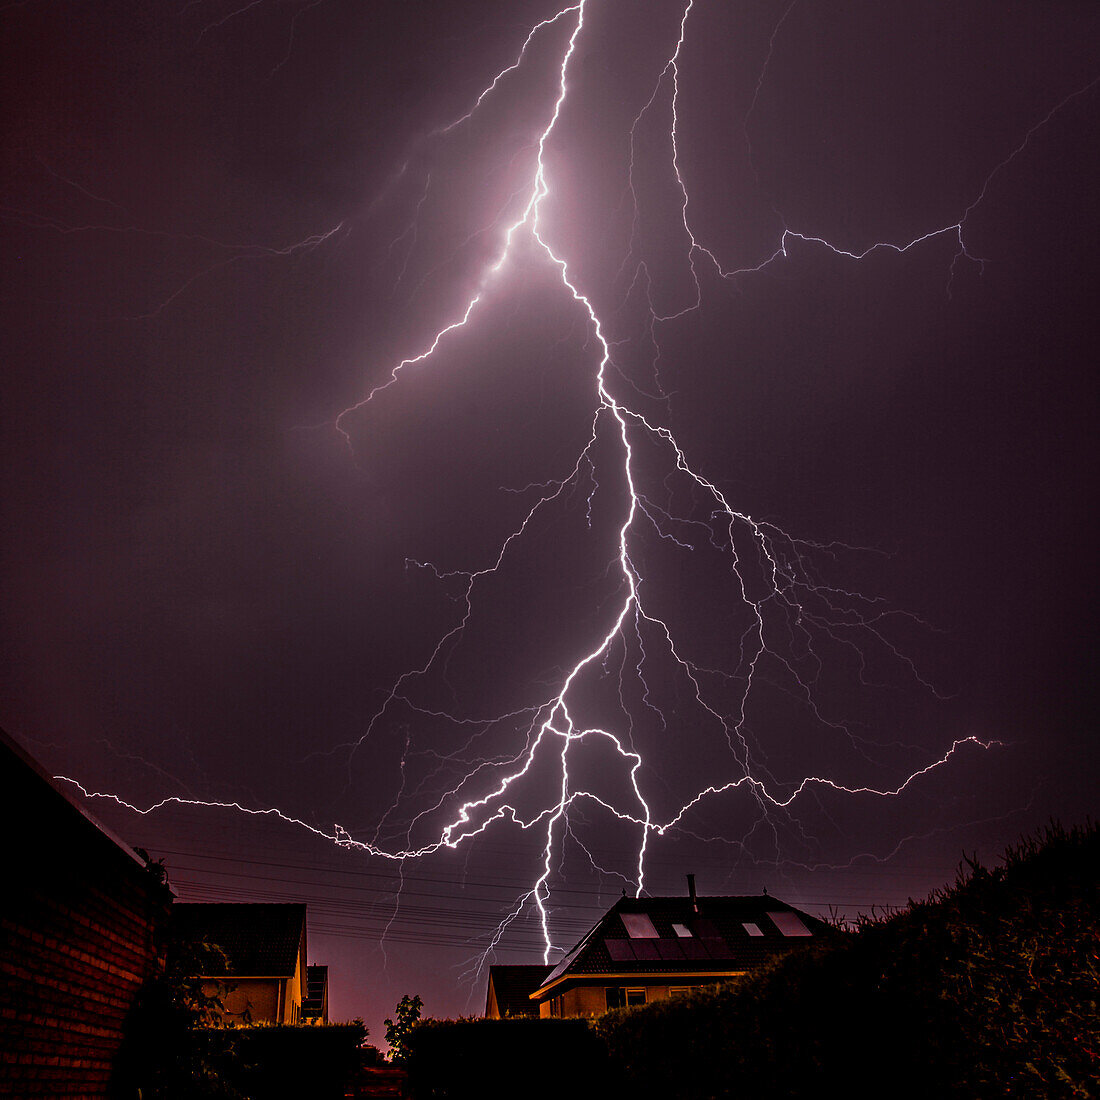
<point x="682" y="931"/>
<point x="789" y="924"/>
<point x="752" y="929"/>
<point x="639" y="926"/>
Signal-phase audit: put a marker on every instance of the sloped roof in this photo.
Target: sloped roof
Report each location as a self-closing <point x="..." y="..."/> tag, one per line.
<point x="62" y="823"/>
<point x="513" y="986"/>
<point x="717" y="940"/>
<point x="260" y="939"/>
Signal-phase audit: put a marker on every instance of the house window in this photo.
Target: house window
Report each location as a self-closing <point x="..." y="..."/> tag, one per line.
<point x="679" y="990"/>
<point x="682" y="931"/>
<point x="639" y="926"/>
<point x="615" y="997"/>
<point x="635" y="996"/>
<point x="752" y="929"/>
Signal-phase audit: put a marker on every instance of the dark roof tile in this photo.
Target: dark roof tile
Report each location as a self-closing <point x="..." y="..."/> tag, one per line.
<point x="260" y="939"/>
<point x="513" y="986"/>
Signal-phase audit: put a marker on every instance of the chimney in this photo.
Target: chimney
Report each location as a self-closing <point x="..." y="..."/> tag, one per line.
<point x="691" y="893"/>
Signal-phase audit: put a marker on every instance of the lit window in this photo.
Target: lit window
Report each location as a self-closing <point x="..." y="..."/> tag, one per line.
<point x="639" y="926"/>
<point x="682" y="931"/>
<point x="635" y="996"/>
<point x="789" y="924"/>
<point x="752" y="929"/>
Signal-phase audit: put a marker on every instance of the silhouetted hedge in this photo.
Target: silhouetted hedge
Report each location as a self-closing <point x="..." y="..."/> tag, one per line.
<point x="525" y="1057"/>
<point x="252" y="1063"/>
<point x="318" y="1062"/>
<point x="987" y="989"/>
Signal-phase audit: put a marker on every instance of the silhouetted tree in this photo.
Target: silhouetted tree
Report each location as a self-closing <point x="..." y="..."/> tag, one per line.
<point x="397" y="1031"/>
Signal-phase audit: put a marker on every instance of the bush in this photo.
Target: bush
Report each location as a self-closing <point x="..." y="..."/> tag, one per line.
<point x="528" y="1057"/>
<point x="169" y="1051"/>
<point x="314" y="1061"/>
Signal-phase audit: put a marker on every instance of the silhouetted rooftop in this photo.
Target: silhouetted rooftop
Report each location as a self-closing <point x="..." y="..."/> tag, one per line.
<point x="669" y="934"/>
<point x="513" y="986"/>
<point x="260" y="939"/>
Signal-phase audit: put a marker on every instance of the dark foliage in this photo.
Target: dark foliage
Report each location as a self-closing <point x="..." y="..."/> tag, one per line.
<point x="987" y="989"/>
<point x="398" y="1030"/>
<point x="318" y="1062"/>
<point x="170" y="1053"/>
<point x="524" y="1056"/>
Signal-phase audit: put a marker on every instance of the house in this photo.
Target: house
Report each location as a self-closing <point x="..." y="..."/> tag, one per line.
<point x="315" y="1004"/>
<point x="510" y="988"/>
<point x="646" y="949"/>
<point x="82" y="928"/>
<point x="265" y="951"/>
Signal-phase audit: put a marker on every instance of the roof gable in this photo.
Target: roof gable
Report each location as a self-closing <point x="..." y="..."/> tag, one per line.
<point x="62" y="823"/>
<point x="513" y="986"/>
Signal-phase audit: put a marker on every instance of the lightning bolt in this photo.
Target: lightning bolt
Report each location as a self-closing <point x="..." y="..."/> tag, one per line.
<point x="790" y="615"/>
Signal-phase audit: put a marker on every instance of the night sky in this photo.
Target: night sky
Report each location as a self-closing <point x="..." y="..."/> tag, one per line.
<point x="224" y="225"/>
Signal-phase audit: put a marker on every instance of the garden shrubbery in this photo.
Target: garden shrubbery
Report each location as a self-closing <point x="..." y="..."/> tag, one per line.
<point x="523" y="1057"/>
<point x="308" y="1061"/>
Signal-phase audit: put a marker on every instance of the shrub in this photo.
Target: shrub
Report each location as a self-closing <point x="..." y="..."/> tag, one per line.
<point x="528" y="1057"/>
<point x="315" y="1061"/>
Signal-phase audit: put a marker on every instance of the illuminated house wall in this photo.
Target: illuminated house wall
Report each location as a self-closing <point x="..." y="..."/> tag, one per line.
<point x="80" y="927"/>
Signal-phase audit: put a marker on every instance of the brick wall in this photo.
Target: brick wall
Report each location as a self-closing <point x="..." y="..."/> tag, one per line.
<point x="79" y="930"/>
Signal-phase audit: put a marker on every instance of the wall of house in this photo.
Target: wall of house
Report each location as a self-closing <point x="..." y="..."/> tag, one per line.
<point x="258" y="997"/>
<point x="263" y="1000"/>
<point x="591" y="1000"/>
<point x="80" y="929"/>
<point x="292" y="1008"/>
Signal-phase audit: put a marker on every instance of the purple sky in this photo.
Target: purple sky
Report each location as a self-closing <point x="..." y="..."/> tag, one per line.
<point x="224" y="225"/>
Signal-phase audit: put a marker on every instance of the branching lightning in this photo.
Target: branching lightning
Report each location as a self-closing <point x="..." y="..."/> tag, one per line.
<point x="790" y="615"/>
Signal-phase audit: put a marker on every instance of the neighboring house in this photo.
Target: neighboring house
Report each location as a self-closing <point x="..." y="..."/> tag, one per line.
<point x="265" y="949"/>
<point x="315" y="1004"/>
<point x="82" y="927"/>
<point x="646" y="949"/>
<point x="510" y="989"/>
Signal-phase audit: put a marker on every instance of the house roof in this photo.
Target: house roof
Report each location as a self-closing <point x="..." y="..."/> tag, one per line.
<point x="58" y="816"/>
<point x="260" y="939"/>
<point x="652" y="936"/>
<point x="513" y="986"/>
